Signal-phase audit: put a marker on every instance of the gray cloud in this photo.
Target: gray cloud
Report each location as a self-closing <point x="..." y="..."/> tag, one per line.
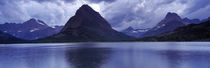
<point x="45" y="0"/>
<point x="21" y="10"/>
<point x="147" y="13"/>
<point x="53" y="0"/>
<point x="197" y="5"/>
<point x="11" y="11"/>
<point x="70" y="1"/>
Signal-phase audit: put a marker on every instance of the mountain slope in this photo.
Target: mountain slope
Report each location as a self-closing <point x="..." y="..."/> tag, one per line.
<point x="6" y="38"/>
<point x="205" y="19"/>
<point x="134" y="32"/>
<point x="29" y="30"/>
<point x="87" y="25"/>
<point x="189" y="21"/>
<point x="193" y="32"/>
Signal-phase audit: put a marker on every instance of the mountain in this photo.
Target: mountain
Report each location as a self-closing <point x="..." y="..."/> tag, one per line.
<point x="6" y="38"/>
<point x="191" y="21"/>
<point x="169" y="23"/>
<point x="192" y="32"/>
<point x="29" y="30"/>
<point x="134" y="32"/>
<point x="58" y="28"/>
<point x="205" y="19"/>
<point x="87" y="25"/>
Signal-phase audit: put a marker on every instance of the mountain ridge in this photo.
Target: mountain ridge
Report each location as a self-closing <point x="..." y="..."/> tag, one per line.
<point x="7" y="38"/>
<point x="29" y="30"/>
<point x="169" y="23"/>
<point x="134" y="32"/>
<point x="192" y="32"/>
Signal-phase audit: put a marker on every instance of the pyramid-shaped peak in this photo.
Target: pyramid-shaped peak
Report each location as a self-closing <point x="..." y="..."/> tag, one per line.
<point x="171" y="14"/>
<point x="85" y="9"/>
<point x="86" y="17"/>
<point x="85" y="6"/>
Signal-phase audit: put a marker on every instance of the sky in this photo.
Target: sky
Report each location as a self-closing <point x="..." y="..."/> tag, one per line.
<point x="119" y="13"/>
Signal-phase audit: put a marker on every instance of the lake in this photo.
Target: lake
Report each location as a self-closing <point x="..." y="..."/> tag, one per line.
<point x="106" y="55"/>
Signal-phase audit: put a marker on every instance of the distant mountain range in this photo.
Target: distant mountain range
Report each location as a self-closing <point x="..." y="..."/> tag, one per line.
<point x="30" y="30"/>
<point x="192" y="32"/>
<point x="169" y="23"/>
<point x="87" y="25"/>
<point x="134" y="32"/>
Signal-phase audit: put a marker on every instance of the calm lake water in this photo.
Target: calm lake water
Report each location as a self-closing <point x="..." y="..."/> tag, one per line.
<point x="106" y="55"/>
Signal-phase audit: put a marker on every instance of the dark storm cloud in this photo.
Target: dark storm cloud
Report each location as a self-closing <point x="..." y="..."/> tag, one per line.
<point x="198" y="4"/>
<point x="98" y="1"/>
<point x="70" y="1"/>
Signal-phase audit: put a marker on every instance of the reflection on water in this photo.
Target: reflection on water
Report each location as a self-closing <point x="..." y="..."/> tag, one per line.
<point x="106" y="55"/>
<point x="87" y="56"/>
<point x="174" y="58"/>
<point x="187" y="59"/>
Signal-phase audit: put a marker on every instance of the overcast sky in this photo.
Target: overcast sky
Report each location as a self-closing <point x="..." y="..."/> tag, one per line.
<point x="119" y="13"/>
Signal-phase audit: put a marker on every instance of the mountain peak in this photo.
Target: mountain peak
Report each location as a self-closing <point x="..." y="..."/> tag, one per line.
<point x="171" y="15"/>
<point x="32" y="19"/>
<point x="35" y="22"/>
<point x="85" y="9"/>
<point x="130" y="28"/>
<point x="85" y="6"/>
<point x="87" y="17"/>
